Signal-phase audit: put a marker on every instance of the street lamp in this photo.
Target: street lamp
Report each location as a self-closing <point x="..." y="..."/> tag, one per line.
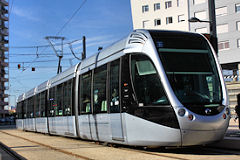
<point x="213" y="34"/>
<point x="195" y="19"/>
<point x="212" y="23"/>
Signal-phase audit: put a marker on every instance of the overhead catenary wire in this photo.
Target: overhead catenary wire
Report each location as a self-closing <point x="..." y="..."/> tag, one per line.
<point x="41" y="61"/>
<point x="40" y="46"/>
<point x="46" y="46"/>
<point x="69" y="20"/>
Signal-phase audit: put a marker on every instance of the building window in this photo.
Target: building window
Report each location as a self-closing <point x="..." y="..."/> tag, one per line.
<point x="201" y="15"/>
<point x="221" y="11"/>
<point x="201" y="30"/>
<point x="157" y="22"/>
<point x="238" y="25"/>
<point x="224" y="45"/>
<point x="156" y="6"/>
<point x="238" y="43"/>
<point x="145" y="8"/>
<point x="181" y="18"/>
<point x="223" y="28"/>
<point x="169" y="20"/>
<point x="198" y="1"/>
<point x="168" y="4"/>
<point x="145" y="23"/>
<point x="178" y="3"/>
<point x="237" y="7"/>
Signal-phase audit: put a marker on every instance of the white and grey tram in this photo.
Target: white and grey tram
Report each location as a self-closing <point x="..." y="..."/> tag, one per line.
<point x="153" y="88"/>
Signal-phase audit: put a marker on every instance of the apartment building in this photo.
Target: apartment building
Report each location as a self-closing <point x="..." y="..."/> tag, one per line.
<point x="174" y="15"/>
<point x="160" y="14"/>
<point x="4" y="63"/>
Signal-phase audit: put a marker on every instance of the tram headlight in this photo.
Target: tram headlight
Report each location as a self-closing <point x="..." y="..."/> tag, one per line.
<point x="190" y="117"/>
<point x="181" y="112"/>
<point x="224" y="116"/>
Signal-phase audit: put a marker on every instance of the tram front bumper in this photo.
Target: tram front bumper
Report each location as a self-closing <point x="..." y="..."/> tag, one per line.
<point x="201" y="137"/>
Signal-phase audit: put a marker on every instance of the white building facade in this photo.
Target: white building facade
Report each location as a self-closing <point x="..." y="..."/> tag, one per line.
<point x="174" y="15"/>
<point x="160" y="14"/>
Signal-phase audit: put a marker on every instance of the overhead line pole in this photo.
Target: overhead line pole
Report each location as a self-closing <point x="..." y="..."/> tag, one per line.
<point x="60" y="56"/>
<point x="212" y="19"/>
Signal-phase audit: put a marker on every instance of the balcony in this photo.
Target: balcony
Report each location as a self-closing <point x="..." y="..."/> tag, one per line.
<point x="2" y="88"/>
<point x="2" y="72"/>
<point x="3" y="26"/>
<point x="3" y="2"/>
<point x="3" y="56"/>
<point x="3" y="95"/>
<point x="4" y="48"/>
<point x="3" y="103"/>
<point x="4" y="32"/>
<point x="4" y="64"/>
<point x="4" y="10"/>
<point x="4" y="79"/>
<point x="5" y="41"/>
<point x="4" y="18"/>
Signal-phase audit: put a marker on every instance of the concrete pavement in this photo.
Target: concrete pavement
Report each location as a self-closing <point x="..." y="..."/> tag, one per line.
<point x="232" y="137"/>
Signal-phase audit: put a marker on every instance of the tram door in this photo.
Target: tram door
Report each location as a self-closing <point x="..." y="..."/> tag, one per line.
<point x="115" y="116"/>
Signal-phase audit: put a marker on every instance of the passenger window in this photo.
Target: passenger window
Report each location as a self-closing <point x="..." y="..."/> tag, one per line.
<point x="114" y="87"/>
<point x="67" y="103"/>
<point x="42" y="104"/>
<point x="85" y="92"/>
<point x="25" y="109"/>
<point x="146" y="82"/>
<point x="52" y="102"/>
<point x="59" y="105"/>
<point x="30" y="107"/>
<point x="37" y="106"/>
<point x="99" y="90"/>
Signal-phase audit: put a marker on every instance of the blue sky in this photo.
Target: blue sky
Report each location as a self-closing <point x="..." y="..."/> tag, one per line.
<point x="101" y="21"/>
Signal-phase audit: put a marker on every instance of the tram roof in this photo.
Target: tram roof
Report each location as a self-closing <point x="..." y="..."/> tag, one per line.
<point x="21" y="97"/>
<point x="106" y="55"/>
<point x="64" y="76"/>
<point x="43" y="86"/>
<point x="30" y="93"/>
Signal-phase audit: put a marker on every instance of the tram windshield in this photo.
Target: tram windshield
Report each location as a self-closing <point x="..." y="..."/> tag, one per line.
<point x="191" y="69"/>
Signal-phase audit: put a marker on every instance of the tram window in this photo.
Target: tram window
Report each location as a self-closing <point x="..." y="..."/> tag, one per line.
<point x="37" y="105"/>
<point x="20" y="110"/>
<point x="30" y="107"/>
<point x="114" y="87"/>
<point x="59" y="105"/>
<point x="42" y="103"/>
<point x="146" y="81"/>
<point x="85" y="92"/>
<point x="67" y="92"/>
<point x="99" y="90"/>
<point x="25" y="109"/>
<point x="52" y="102"/>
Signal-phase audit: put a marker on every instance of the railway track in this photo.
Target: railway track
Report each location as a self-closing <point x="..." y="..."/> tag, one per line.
<point x="50" y="147"/>
<point x="172" y="153"/>
<point x="9" y="154"/>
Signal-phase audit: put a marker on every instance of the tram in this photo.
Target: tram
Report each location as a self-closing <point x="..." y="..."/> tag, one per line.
<point x="152" y="88"/>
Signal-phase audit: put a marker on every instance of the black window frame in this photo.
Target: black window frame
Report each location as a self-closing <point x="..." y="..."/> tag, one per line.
<point x="109" y="87"/>
<point x="101" y="107"/>
<point x="82" y="94"/>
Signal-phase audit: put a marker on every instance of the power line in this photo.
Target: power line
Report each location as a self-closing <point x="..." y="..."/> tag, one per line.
<point x="40" y="61"/>
<point x="31" y="54"/>
<point x="10" y="11"/>
<point x="71" y="17"/>
<point x="46" y="46"/>
<point x="40" y="46"/>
